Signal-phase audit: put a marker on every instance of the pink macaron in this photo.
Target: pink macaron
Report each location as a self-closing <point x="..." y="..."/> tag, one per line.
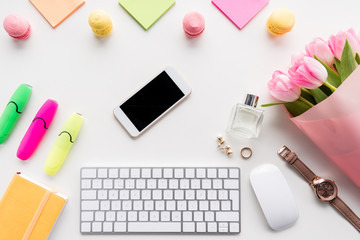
<point x="17" y="26"/>
<point x="193" y="24"/>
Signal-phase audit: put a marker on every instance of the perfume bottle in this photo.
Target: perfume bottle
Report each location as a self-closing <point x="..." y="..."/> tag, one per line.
<point x="246" y="119"/>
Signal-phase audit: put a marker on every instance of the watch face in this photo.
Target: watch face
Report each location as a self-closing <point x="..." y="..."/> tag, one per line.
<point x="326" y="190"/>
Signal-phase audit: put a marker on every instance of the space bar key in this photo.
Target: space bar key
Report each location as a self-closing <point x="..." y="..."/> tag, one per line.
<point x="159" y="227"/>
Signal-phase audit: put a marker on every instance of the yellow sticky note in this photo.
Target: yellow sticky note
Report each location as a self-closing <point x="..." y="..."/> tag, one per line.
<point x="56" y="11"/>
<point x="146" y="12"/>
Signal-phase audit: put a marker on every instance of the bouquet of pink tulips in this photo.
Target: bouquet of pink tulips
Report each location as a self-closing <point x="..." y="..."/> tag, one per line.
<point x="321" y="93"/>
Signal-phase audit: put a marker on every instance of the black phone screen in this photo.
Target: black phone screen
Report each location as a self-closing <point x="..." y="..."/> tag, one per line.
<point x="151" y="101"/>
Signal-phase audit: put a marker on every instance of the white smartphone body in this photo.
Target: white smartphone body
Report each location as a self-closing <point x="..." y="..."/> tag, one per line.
<point x="152" y="101"/>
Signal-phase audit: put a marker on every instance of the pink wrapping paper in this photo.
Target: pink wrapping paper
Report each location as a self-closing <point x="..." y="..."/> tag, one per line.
<point x="334" y="126"/>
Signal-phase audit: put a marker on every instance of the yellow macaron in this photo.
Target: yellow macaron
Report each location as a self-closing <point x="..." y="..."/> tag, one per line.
<point x="100" y="23"/>
<point x="280" y="21"/>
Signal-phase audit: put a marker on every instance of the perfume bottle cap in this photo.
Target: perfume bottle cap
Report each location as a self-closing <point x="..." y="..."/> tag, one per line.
<point x="251" y="100"/>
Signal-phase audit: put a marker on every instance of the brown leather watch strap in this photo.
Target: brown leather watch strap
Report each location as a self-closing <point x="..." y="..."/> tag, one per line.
<point x="293" y="160"/>
<point x="346" y="212"/>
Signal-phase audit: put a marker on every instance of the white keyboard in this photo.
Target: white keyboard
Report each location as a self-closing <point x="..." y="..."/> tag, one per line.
<point x="160" y="200"/>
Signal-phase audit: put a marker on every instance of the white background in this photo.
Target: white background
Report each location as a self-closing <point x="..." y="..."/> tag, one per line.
<point x="91" y="76"/>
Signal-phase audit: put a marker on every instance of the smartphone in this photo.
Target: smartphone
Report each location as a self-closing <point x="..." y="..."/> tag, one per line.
<point x="156" y="98"/>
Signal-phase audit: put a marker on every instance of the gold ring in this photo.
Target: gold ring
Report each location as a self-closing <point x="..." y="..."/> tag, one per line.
<point x="246" y="149"/>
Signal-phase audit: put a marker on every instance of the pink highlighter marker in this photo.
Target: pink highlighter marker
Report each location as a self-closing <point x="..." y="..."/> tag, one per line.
<point x="37" y="129"/>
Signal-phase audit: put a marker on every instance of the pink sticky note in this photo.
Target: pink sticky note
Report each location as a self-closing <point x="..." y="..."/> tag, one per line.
<point x="240" y="12"/>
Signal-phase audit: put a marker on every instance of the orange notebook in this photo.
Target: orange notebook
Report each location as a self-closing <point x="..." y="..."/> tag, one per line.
<point x="29" y="210"/>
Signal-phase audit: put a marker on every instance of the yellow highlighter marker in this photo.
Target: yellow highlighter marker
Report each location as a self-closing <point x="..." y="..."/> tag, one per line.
<point x="63" y="144"/>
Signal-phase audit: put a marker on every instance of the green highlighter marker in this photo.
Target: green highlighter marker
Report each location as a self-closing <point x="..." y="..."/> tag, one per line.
<point x="63" y="144"/>
<point x="13" y="110"/>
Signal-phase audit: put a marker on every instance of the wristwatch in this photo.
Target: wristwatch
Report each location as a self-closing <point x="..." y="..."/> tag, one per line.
<point x="325" y="189"/>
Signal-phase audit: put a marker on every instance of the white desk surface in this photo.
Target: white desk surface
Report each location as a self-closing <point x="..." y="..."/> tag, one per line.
<point x="91" y="76"/>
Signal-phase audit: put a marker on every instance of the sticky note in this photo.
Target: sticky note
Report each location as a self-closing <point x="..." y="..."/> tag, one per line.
<point x="56" y="11"/>
<point x="240" y="12"/>
<point x="146" y="12"/>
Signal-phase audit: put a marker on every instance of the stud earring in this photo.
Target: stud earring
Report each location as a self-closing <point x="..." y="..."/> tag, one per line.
<point x="227" y="149"/>
<point x="221" y="142"/>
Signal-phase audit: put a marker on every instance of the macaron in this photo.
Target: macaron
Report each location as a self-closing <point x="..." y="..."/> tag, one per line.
<point x="17" y="26"/>
<point x="280" y="21"/>
<point x="100" y="23"/>
<point x="193" y="24"/>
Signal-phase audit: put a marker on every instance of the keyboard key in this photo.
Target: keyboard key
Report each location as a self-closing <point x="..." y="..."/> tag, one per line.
<point x="102" y="173"/>
<point x="146" y="173"/>
<point x="168" y="172"/>
<point x="124" y="173"/>
<point x="102" y="194"/>
<point x="108" y="184"/>
<point x="140" y="183"/>
<point x="162" y="184"/>
<point x="212" y="173"/>
<point x="85" y="227"/>
<point x="115" y="205"/>
<point x="159" y="205"/>
<point x="214" y="205"/>
<point x="88" y="194"/>
<point x="181" y="205"/>
<point x="143" y="216"/>
<point x="157" y="173"/>
<point x="165" y="216"/>
<point x="231" y="184"/>
<point x="132" y="216"/>
<point x="200" y="194"/>
<point x="187" y="216"/>
<point x="212" y="227"/>
<point x="234" y="173"/>
<point x="145" y="194"/>
<point x="113" y="173"/>
<point x="222" y="173"/>
<point x="206" y="184"/>
<point x="223" y="194"/>
<point x="223" y="227"/>
<point x="190" y="172"/>
<point x="184" y="184"/>
<point x="121" y="216"/>
<point x="188" y="227"/>
<point x="235" y="198"/>
<point x="190" y="194"/>
<point x="99" y="216"/>
<point x="134" y="194"/>
<point x="129" y="183"/>
<point x="217" y="184"/>
<point x="225" y="205"/>
<point x="107" y="227"/>
<point x="86" y="184"/>
<point x="126" y="205"/>
<point x="198" y="216"/>
<point x="124" y="194"/>
<point x="119" y="183"/>
<point x="149" y="205"/>
<point x="96" y="226"/>
<point x="135" y="173"/>
<point x="209" y="216"/>
<point x="179" y="194"/>
<point x="87" y="216"/>
<point x="178" y="173"/>
<point x="170" y="205"/>
<point x="168" y="194"/>
<point x="227" y="216"/>
<point x="88" y="173"/>
<point x="119" y="227"/>
<point x="97" y="184"/>
<point x="138" y="205"/>
<point x="89" y="205"/>
<point x="113" y="194"/>
<point x="151" y="184"/>
<point x="105" y="205"/>
<point x="110" y="216"/>
<point x="156" y="194"/>
<point x="154" y="227"/>
<point x="195" y="184"/>
<point x="154" y="216"/>
<point x="173" y="184"/>
<point x="200" y="172"/>
<point x="193" y="205"/>
<point x="203" y="205"/>
<point x="201" y="227"/>
<point x="211" y="194"/>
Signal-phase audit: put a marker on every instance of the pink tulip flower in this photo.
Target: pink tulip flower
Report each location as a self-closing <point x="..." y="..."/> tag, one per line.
<point x="320" y="48"/>
<point x="337" y="42"/>
<point x="282" y="88"/>
<point x="308" y="73"/>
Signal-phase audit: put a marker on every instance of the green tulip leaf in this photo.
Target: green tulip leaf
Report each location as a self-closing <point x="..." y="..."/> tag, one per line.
<point x="348" y="63"/>
<point x="318" y="95"/>
<point x="305" y="93"/>
<point x="357" y="58"/>
<point x="296" y="108"/>
<point x="333" y="78"/>
<point x="337" y="64"/>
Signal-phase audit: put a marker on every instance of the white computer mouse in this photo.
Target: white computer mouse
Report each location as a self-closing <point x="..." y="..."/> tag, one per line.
<point x="274" y="196"/>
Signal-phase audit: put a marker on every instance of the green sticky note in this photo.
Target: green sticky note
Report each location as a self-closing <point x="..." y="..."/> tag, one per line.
<point x="146" y="12"/>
